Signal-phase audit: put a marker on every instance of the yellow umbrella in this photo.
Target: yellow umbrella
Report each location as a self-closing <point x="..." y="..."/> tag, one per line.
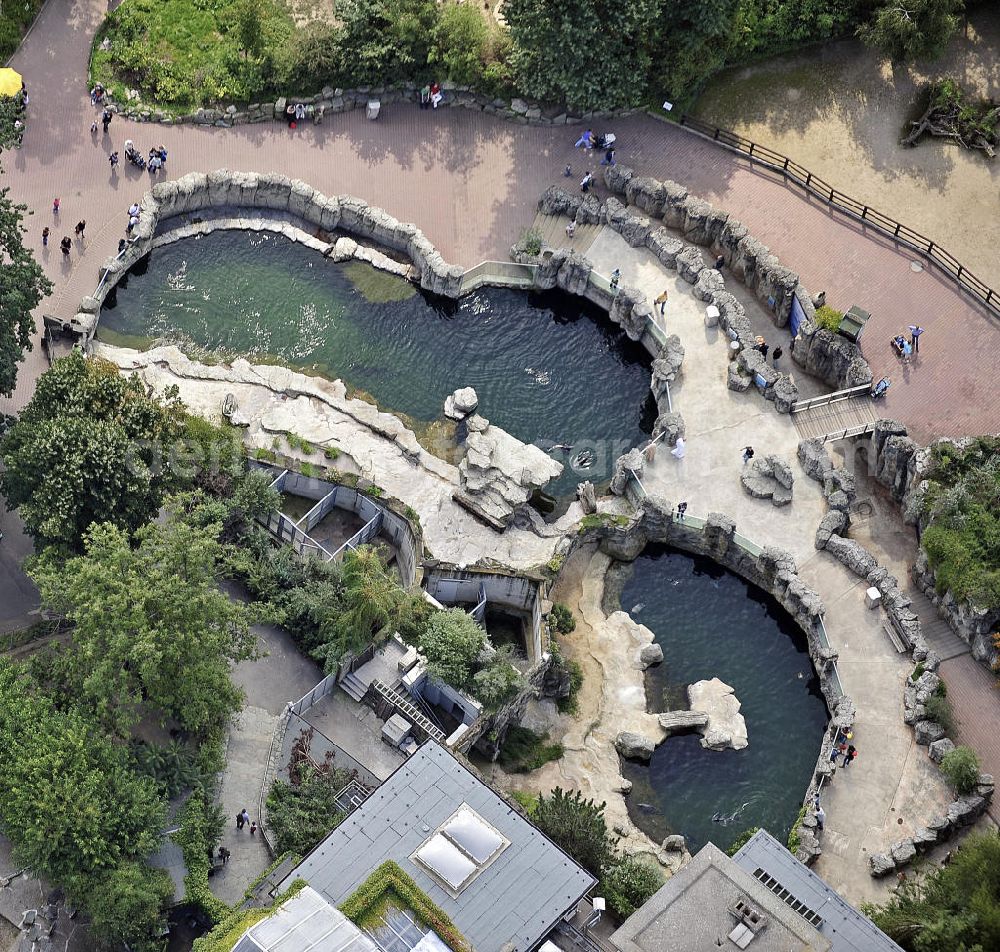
<point x="10" y="82"/>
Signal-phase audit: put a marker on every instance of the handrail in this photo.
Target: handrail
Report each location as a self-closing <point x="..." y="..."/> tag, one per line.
<point x="813" y="184"/>
<point x="827" y="398"/>
<point x="849" y="433"/>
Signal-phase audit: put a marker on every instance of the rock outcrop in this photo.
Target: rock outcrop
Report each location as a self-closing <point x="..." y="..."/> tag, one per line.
<point x="499" y="472"/>
<point x="633" y="746"/>
<point x="675" y="722"/>
<point x="461" y="403"/>
<point x="768" y="477"/>
<point x="726" y="726"/>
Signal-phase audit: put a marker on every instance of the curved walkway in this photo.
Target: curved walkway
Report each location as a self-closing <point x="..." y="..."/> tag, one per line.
<point x="470" y="182"/>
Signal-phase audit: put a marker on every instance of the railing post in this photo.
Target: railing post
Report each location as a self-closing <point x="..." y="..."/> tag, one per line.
<point x="930" y="247"/>
<point x="895" y="233"/>
<point x="961" y="268"/>
<point x="809" y="179"/>
<point x="752" y="144"/>
<point x="717" y="131"/>
<point x="785" y="166"/>
<point x="864" y="211"/>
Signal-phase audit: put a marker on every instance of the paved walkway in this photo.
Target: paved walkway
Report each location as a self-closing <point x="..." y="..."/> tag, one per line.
<point x="893" y="787"/>
<point x="470" y="182"/>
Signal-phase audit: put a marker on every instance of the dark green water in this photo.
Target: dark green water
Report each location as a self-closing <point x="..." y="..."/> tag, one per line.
<point x="549" y="368"/>
<point x="710" y="623"/>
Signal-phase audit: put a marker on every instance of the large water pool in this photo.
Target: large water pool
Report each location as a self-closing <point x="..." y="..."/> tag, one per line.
<point x="711" y="623"/>
<point x="549" y="368"/>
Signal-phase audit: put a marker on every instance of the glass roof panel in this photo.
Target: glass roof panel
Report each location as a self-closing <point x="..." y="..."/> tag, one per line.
<point x="446" y="861"/>
<point x="474" y="835"/>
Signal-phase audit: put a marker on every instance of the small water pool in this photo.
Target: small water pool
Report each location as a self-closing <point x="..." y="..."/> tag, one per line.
<point x="549" y="368"/>
<point x="711" y="623"/>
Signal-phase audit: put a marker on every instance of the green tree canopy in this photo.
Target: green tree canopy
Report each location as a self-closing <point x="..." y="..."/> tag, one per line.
<point x="591" y="54"/>
<point x="81" y="450"/>
<point x="69" y="800"/>
<point x="22" y="286"/>
<point x="127" y="904"/>
<point x="955" y="908"/>
<point x="385" y="41"/>
<point x="628" y="883"/>
<point x="452" y="643"/>
<point x="152" y="631"/>
<point x="912" y="29"/>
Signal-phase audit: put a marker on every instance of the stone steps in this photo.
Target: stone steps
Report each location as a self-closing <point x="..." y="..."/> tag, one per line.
<point x="552" y="228"/>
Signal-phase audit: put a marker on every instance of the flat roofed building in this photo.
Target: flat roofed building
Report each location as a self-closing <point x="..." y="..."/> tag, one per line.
<point x="502" y="883"/>
<point x="763" y="900"/>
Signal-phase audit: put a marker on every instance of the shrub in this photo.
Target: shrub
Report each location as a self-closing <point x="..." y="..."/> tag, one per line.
<point x="331" y="453"/>
<point x="452" y="643"/>
<point x="525" y="750"/>
<point x="498" y="681"/>
<point x="302" y="814"/>
<point x="576" y="825"/>
<point x="527" y="800"/>
<point x="741" y="840"/>
<point x="628" y="883"/>
<point x="531" y="242"/>
<point x="917" y="671"/>
<point x="561" y="619"/>
<point x="961" y="768"/>
<point x="460" y="43"/>
<point x="938" y="709"/>
<point x="828" y="318"/>
<point x="570" y="704"/>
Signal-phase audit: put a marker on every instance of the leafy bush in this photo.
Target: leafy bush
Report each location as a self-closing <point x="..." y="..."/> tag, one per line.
<point x="828" y="318"/>
<point x="128" y="903"/>
<point x="498" y="681"/>
<point x="201" y="823"/>
<point x="531" y="242"/>
<point x="561" y="619"/>
<point x="525" y="750"/>
<point x="15" y="18"/>
<point x="628" y="883"/>
<point x="570" y="703"/>
<point x="528" y="801"/>
<point x="961" y="768"/>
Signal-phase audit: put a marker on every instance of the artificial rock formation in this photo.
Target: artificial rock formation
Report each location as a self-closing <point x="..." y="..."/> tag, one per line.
<point x="458" y="405"/>
<point x="726" y="726"/>
<point x="768" y="477"/>
<point x="499" y="472"/>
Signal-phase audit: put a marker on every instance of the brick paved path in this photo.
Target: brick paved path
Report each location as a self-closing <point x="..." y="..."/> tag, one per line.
<point x="471" y="183"/>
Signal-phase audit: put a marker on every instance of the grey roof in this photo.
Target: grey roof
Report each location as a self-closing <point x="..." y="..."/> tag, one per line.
<point x="512" y="904"/>
<point x="305" y="923"/>
<point x="846" y="928"/>
<point x="691" y="913"/>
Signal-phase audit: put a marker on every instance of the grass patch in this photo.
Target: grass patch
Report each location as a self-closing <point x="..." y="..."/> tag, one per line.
<point x="525" y="750"/>
<point x="378" y="287"/>
<point x="528" y="801"/>
<point x="794" y="840"/>
<point x="597" y="519"/>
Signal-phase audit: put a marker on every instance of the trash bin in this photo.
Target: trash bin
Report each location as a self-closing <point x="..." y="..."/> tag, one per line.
<point x="374" y="105"/>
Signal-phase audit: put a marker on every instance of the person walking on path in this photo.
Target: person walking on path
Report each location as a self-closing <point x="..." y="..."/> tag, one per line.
<point x="425" y="96"/>
<point x="245" y="816"/>
<point x="65" y="245"/>
<point x="679" y="449"/>
<point x="93" y="128"/>
<point x="616" y="276"/>
<point x="849" y="755"/>
<point x="239" y="820"/>
<point x="776" y="355"/>
<point x="820" y="817"/>
<point x="571" y="228"/>
<point x="106" y="119"/>
<point x="662" y="302"/>
<point x="45" y="237"/>
<point x="81" y="227"/>
<point x="747" y="454"/>
<point x="915" y="331"/>
<point x="586" y="140"/>
<point x="719" y="262"/>
<point x="682" y="508"/>
<point x="113" y="159"/>
<point x="253" y="828"/>
<point x="609" y="157"/>
<point x="586" y="183"/>
<point x="132" y="222"/>
<point x="55" y="206"/>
